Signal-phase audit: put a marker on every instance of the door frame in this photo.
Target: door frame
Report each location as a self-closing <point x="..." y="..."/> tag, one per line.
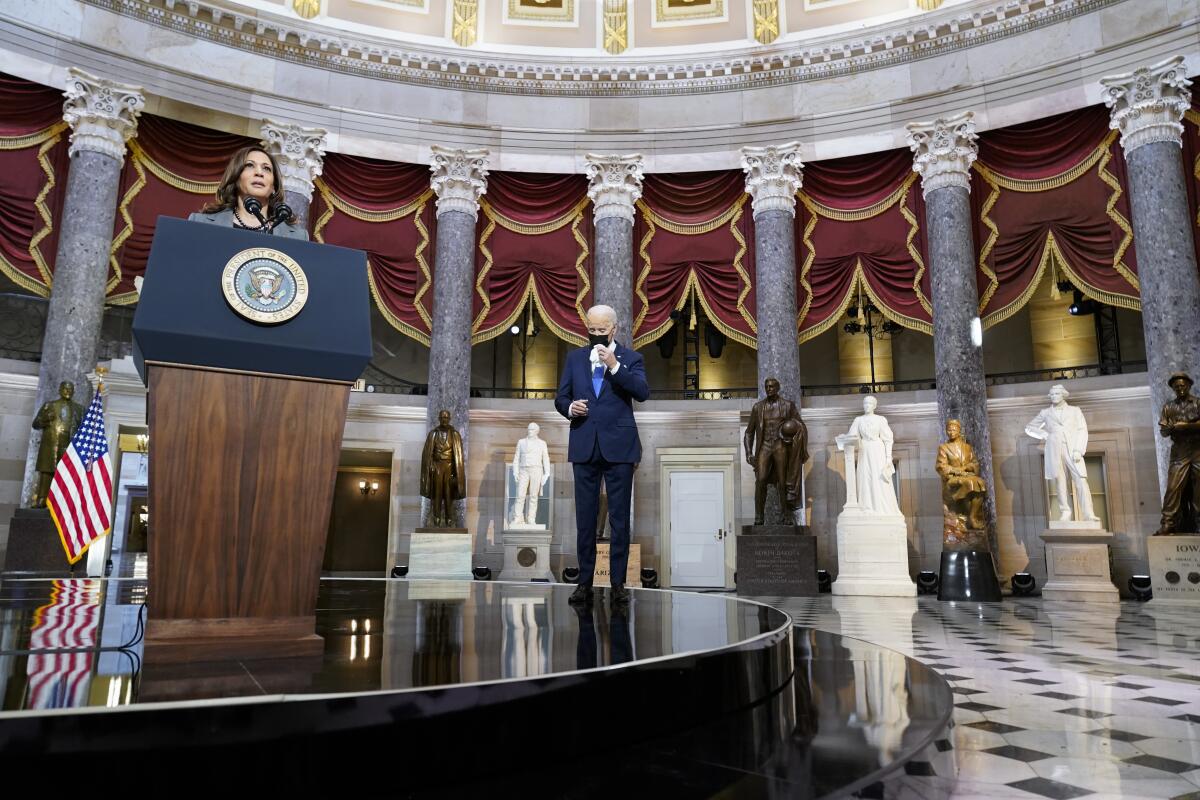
<point x="696" y="459"/>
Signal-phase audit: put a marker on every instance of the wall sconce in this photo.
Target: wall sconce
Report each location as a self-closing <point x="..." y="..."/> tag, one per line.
<point x="143" y="443"/>
<point x="368" y="487"/>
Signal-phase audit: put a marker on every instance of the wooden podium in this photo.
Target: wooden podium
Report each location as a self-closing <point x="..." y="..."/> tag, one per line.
<point x="246" y="423"/>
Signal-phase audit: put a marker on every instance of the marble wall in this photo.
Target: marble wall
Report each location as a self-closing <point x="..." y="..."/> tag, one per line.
<point x="396" y="425"/>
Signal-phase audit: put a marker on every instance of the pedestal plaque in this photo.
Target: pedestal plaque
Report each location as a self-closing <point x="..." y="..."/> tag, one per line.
<point x="1077" y="565"/>
<point x="777" y="560"/>
<point x="440" y="553"/>
<point x="1175" y="569"/>
<point x="526" y="555"/>
<point x="633" y="572"/>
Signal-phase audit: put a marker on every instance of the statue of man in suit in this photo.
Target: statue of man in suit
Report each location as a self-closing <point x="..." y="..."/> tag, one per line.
<point x="57" y="420"/>
<point x="443" y="472"/>
<point x="596" y="393"/>
<point x="777" y="462"/>
<point x="1180" y="421"/>
<point x="1065" y="433"/>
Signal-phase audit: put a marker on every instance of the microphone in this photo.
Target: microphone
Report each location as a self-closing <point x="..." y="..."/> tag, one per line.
<point x="254" y="206"/>
<point x="283" y="212"/>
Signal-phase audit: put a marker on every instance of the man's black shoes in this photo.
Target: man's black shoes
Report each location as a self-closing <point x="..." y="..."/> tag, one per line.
<point x="620" y="595"/>
<point x="582" y="594"/>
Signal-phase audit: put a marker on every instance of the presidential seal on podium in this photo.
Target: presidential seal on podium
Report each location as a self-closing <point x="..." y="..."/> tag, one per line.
<point x="264" y="285"/>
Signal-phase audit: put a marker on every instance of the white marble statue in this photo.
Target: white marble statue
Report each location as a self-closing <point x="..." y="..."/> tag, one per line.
<point x="871" y="436"/>
<point x="531" y="468"/>
<point x="1065" y="433"/>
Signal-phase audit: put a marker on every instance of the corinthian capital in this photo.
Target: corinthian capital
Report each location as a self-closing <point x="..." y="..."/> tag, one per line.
<point x="299" y="151"/>
<point x="459" y="178"/>
<point x="773" y="175"/>
<point x="614" y="184"/>
<point x="1147" y="105"/>
<point x="943" y="151"/>
<point x="103" y="114"/>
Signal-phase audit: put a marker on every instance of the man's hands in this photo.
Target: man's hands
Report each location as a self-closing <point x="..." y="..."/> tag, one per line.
<point x="606" y="356"/>
<point x="578" y="408"/>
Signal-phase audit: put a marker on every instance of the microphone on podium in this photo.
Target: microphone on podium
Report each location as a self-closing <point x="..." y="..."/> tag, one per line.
<point x="283" y="213"/>
<point x="254" y="206"/>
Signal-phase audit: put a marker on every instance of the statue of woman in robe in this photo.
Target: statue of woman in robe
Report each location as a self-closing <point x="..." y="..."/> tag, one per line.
<point x="876" y="492"/>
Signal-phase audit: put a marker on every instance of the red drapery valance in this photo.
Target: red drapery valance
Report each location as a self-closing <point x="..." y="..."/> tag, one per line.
<point x="386" y="209"/>
<point x="1191" y="165"/>
<point x="694" y="235"/>
<point x="33" y="172"/>
<point x="1048" y="195"/>
<point x="172" y="169"/>
<point x="533" y="236"/>
<point x="858" y="229"/>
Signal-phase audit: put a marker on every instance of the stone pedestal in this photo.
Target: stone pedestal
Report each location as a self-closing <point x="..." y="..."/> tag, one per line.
<point x="968" y="575"/>
<point x="777" y="560"/>
<point x="633" y="571"/>
<point x="33" y="544"/>
<point x="527" y="554"/>
<point x="1077" y="564"/>
<point x="872" y="556"/>
<point x="440" y="553"/>
<point x="1174" y="569"/>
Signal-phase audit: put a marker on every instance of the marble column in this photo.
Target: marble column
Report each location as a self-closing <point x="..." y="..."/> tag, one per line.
<point x="773" y="175"/>
<point x="103" y="115"/>
<point x="459" y="180"/>
<point x="614" y="184"/>
<point x="1147" y="106"/>
<point x="300" y="153"/>
<point x="943" y="151"/>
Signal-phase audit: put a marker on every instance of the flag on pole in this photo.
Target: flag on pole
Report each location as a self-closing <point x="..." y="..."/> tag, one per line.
<point x="80" y="500"/>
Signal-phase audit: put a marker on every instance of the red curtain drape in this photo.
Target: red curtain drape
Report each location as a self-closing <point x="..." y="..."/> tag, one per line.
<point x="1191" y="165"/>
<point x="694" y="235"/>
<point x="386" y="209"/>
<point x="859" y="231"/>
<point x="172" y="169"/>
<point x="1049" y="196"/>
<point x="33" y="179"/>
<point x="534" y="237"/>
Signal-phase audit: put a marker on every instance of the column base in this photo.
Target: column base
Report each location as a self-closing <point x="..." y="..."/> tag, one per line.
<point x="968" y="575"/>
<point x="873" y="556"/>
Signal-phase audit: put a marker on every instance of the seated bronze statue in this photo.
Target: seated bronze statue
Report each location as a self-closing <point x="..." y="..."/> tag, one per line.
<point x="963" y="491"/>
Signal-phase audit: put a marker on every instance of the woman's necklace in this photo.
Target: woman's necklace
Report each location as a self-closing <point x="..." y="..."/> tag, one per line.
<point x="237" y="221"/>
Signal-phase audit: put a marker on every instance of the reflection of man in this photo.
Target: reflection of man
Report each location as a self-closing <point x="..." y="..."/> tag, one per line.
<point x="769" y="454"/>
<point x="1181" y="421"/>
<point x="599" y="384"/>
<point x="531" y="468"/>
<point x="620" y="642"/>
<point x="57" y="420"/>
<point x="963" y="491"/>
<point x="1065" y="433"/>
<point x="443" y="472"/>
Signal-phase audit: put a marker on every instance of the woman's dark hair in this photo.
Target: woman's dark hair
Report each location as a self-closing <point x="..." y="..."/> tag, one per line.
<point x="227" y="191"/>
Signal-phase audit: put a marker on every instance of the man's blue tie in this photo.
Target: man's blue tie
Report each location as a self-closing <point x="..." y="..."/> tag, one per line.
<point x="597" y="378"/>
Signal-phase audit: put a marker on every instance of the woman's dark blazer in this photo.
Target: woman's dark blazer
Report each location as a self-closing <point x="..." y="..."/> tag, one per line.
<point x="226" y="218"/>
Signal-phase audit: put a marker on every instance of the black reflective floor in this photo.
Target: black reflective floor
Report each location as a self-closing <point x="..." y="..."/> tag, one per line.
<point x="481" y="686"/>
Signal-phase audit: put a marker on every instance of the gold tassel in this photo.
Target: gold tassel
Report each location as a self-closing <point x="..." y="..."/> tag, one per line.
<point x="692" y="324"/>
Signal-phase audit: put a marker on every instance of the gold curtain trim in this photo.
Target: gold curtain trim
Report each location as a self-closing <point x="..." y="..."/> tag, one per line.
<point x="168" y="177"/>
<point x="827" y="323"/>
<point x="858" y="214"/>
<point x="911" y="323"/>
<point x="1053" y="181"/>
<point x="915" y="254"/>
<point x="476" y="336"/>
<point x="740" y="268"/>
<point x="692" y="228"/>
<point x="127" y="229"/>
<point x="30" y="139"/>
<point x="806" y="240"/>
<point x="419" y="255"/>
<point x="1117" y="217"/>
<point x="1193" y="116"/>
<point x="366" y="215"/>
<point x="585" y="283"/>
<point x="639" y="289"/>
<point x="1049" y="249"/>
<point x="993" y="236"/>
<point x="534" y="230"/>
<point x="39" y="204"/>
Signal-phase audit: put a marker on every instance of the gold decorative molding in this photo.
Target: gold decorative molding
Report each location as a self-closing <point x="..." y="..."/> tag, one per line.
<point x="688" y="12"/>
<point x="616" y="26"/>
<point x="766" y="21"/>
<point x="465" y="22"/>
<point x="306" y="9"/>
<point x="545" y="12"/>
<point x="929" y="5"/>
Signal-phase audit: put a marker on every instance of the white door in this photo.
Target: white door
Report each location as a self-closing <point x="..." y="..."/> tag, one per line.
<point x="697" y="528"/>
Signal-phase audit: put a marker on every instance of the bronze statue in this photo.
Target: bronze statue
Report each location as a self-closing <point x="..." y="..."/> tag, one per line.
<point x="963" y="491"/>
<point x="1181" y="421"/>
<point x="777" y="456"/>
<point x="57" y="420"/>
<point x="443" y="472"/>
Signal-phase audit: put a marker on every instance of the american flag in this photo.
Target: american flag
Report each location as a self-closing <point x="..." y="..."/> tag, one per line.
<point x="70" y="620"/>
<point x="80" y="498"/>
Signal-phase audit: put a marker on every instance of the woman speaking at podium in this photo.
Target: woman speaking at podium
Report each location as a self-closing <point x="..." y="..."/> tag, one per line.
<point x="251" y="198"/>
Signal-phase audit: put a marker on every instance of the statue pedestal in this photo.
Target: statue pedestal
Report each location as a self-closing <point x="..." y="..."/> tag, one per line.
<point x="777" y="560"/>
<point x="872" y="555"/>
<point x="527" y="554"/>
<point x="633" y="570"/>
<point x="33" y="544"/>
<point x="968" y="575"/>
<point x="1077" y="566"/>
<point x="440" y="553"/>
<point x="1174" y="569"/>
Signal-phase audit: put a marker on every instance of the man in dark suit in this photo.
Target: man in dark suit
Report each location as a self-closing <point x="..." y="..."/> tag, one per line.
<point x="599" y="384"/>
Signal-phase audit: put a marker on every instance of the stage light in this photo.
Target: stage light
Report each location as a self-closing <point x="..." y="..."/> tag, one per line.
<point x="927" y="582"/>
<point x="824" y="581"/>
<point x="715" y="340"/>
<point x="482" y="573"/>
<point x="570" y="575"/>
<point x="649" y="578"/>
<point x="852" y="312"/>
<point x="1139" y="587"/>
<point x="891" y="327"/>
<point x="852" y="328"/>
<point x="1023" y="584"/>
<point x="400" y="570"/>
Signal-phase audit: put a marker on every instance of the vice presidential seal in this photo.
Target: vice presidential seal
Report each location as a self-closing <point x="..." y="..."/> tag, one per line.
<point x="264" y="285"/>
